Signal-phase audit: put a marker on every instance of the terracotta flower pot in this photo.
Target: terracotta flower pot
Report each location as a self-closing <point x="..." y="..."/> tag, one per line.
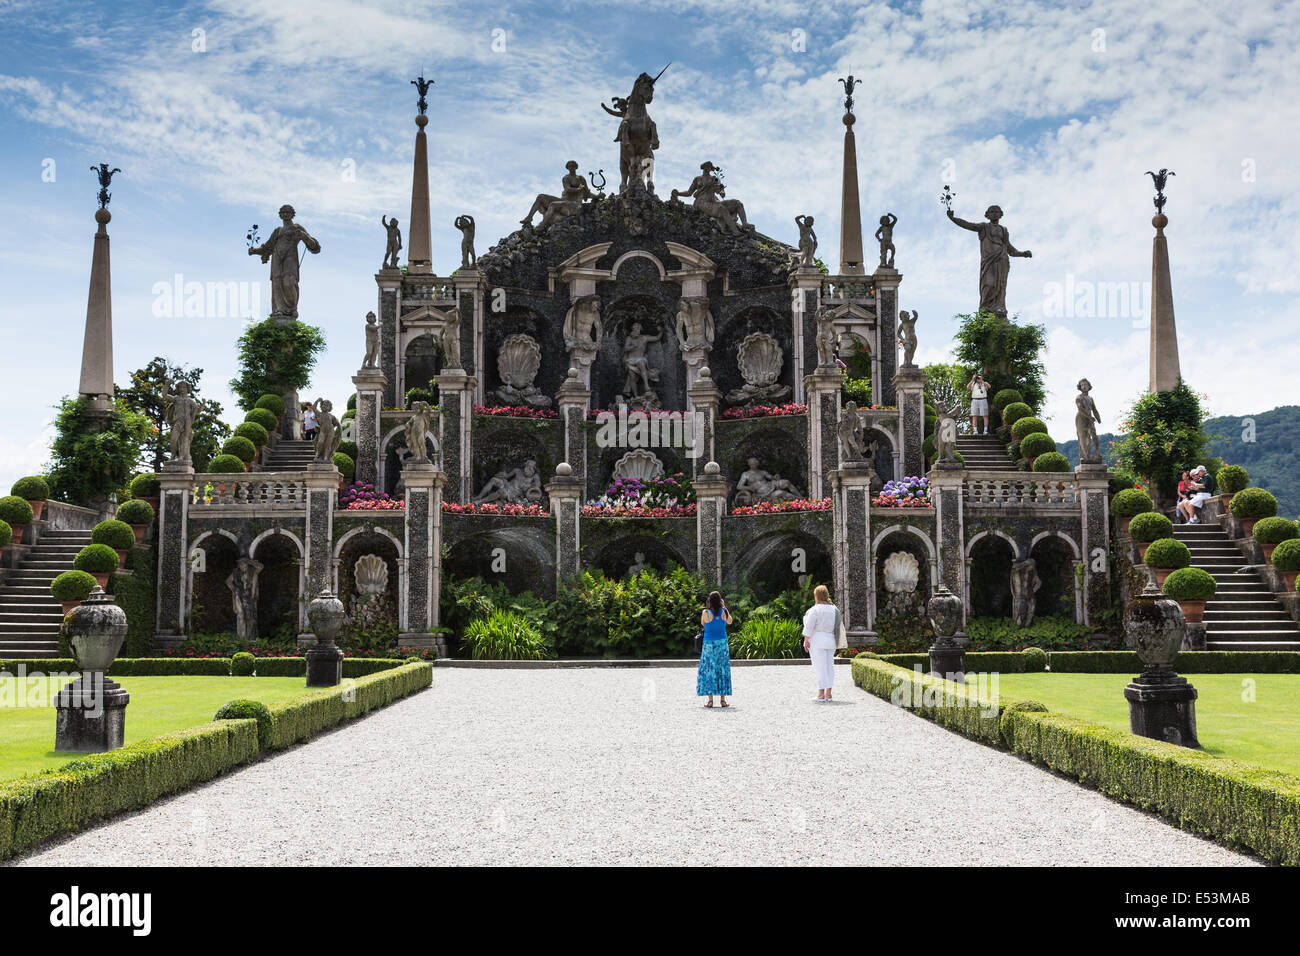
<point x="121" y="557"/>
<point x="154" y="502"/>
<point x="1248" y="526"/>
<point x="18" y="534"/>
<point x="1142" y="549"/>
<point x="1161" y="574"/>
<point x="1268" y="552"/>
<point x="140" y="531"/>
<point x="69" y="605"/>
<point x="1123" y="526"/>
<point x="37" y="508"/>
<point x="1225" y="502"/>
<point x="1289" y="578"/>
<point x="102" y="579"/>
<point x="1193" y="611"/>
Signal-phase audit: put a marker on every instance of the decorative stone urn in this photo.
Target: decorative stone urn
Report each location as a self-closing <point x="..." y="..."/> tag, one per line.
<point x="947" y="657"/>
<point x="92" y="709"/>
<point x="327" y="619"/>
<point x="1161" y="705"/>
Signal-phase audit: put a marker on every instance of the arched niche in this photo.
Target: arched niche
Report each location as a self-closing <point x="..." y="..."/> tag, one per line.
<point x="422" y="361"/>
<point x="610" y="375"/>
<point x="212" y="608"/>
<point x="989" y="574"/>
<point x="781" y="561"/>
<point x="279" y="609"/>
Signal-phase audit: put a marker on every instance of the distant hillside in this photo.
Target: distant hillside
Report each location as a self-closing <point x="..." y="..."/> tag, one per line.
<point x="1273" y="458"/>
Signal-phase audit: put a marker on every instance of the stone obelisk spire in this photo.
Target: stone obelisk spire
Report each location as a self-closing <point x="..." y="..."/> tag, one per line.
<point x="97" y="346"/>
<point x="419" y="257"/>
<point x="1165" y="371"/>
<point x="850" y="210"/>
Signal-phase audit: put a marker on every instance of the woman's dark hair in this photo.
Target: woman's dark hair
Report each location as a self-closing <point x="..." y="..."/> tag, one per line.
<point x="715" y="602"/>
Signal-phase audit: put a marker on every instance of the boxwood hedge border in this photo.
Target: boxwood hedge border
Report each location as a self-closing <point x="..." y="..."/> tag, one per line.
<point x="202" y="666"/>
<point x="1114" y="662"/>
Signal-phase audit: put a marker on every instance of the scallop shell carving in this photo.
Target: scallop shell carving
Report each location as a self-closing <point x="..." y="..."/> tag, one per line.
<point x="518" y="360"/>
<point x="371" y="574"/>
<point x="902" y="571"/>
<point x="760" y="358"/>
<point x="640" y="464"/>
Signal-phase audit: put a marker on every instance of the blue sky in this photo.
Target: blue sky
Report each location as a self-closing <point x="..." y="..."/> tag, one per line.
<point x="1052" y="111"/>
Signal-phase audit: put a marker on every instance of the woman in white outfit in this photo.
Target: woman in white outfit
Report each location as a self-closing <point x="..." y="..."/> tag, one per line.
<point x="820" y="634"/>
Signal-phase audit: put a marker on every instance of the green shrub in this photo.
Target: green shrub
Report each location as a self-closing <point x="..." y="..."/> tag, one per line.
<point x="116" y="534"/>
<point x="1150" y="526"/>
<point x="239" y="447"/>
<point x="1274" y="530"/>
<point x="244" y="709"/>
<point x="346" y="466"/>
<point x="33" y="488"/>
<point x="1035" y="659"/>
<point x="1231" y="478"/>
<point x="272" y="403"/>
<point x="1035" y="444"/>
<point x="1250" y="503"/>
<point x="350" y="449"/>
<point x="1168" y="553"/>
<point x="6" y="534"/>
<point x="262" y="416"/>
<point x="1027" y="426"/>
<point x="135" y="511"/>
<point x="243" y="664"/>
<point x="1013" y="450"/>
<point x="352" y="400"/>
<point x="1120" y="480"/>
<point x="253" y="432"/>
<point x="1286" y="556"/>
<point x="73" y="585"/>
<point x="15" y="510"/>
<point x="504" y="636"/>
<point x="96" y="559"/>
<point x="348" y="415"/>
<point x="1016" y="411"/>
<point x="146" y="485"/>
<point x="1131" y="502"/>
<point x="767" y="637"/>
<point x="927" y="447"/>
<point x="1189" y="584"/>
<point x="1006" y="722"/>
<point x="1007" y="396"/>
<point x="1053" y="461"/>
<point x="417" y="394"/>
<point x="224" y="464"/>
<point x="302" y="717"/>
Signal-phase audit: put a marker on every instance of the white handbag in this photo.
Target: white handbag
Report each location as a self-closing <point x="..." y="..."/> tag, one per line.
<point x="841" y="637"/>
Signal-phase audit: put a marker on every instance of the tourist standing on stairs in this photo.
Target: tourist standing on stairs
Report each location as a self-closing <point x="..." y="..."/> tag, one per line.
<point x="309" y="423"/>
<point x="714" y="675"/>
<point x="821" y="631"/>
<point x="979" y="402"/>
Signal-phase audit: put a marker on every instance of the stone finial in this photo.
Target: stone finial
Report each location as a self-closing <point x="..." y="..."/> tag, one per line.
<point x="705" y="373"/>
<point x="711" y="468"/>
<point x="563" y="470"/>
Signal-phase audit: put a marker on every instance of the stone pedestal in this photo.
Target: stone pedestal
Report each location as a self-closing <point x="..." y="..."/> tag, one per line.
<point x="1163" y="707"/>
<point x="1093" y="481"/>
<point x="704" y="399"/>
<point x="423" y="544"/>
<point x="565" y="494"/>
<point x="91" y="715"/>
<point x="455" y="432"/>
<point x="909" y="384"/>
<point x="711" y="505"/>
<point x="822" y="388"/>
<point x="854" y="577"/>
<point x="945" y="493"/>
<point x="322" y="491"/>
<point x="947" y="656"/>
<point x="370" y="384"/>
<point x="325" y="659"/>
<point x="176" y="489"/>
<point x="390" y="293"/>
<point x="885" y="281"/>
<point x="572" y="401"/>
<point x="470" y="286"/>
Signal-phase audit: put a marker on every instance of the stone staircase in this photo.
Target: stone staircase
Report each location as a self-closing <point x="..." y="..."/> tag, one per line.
<point x="29" y="617"/>
<point x="1244" y="614"/>
<point x="289" y="455"/>
<point x="985" y="453"/>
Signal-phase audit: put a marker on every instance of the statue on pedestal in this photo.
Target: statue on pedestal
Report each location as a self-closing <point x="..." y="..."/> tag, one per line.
<point x="281" y="250"/>
<point x="394" y="242"/>
<point x="372" y="342"/>
<point x="827" y="339"/>
<point x="180" y="410"/>
<point x="995" y="263"/>
<point x="707" y="190"/>
<point x="637" y="136"/>
<point x="755" y="485"/>
<point x="328" y="436"/>
<point x="573" y="194"/>
<point x="242" y="583"/>
<point x="807" y="240"/>
<point x="468" y="258"/>
<point x="885" y="236"/>
<point x="516" y="486"/>
<point x="945" y="434"/>
<point x="640" y="375"/>
<point x="1024" y="585"/>
<point x="853" y="446"/>
<point x="449" y="339"/>
<point x="582" y="328"/>
<point x="416" y="432"/>
<point x="1086" y="420"/>
<point x="907" y="336"/>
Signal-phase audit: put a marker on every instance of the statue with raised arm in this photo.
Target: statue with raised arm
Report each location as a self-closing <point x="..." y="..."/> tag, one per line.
<point x="827" y="338"/>
<point x="637" y="363"/>
<point x="394" y="242"/>
<point x="885" y="236"/>
<point x="1086" y="420"/>
<point x="417" y="431"/>
<point x="328" y="434"/>
<point x="807" y="240"/>
<point x="637" y="136"/>
<point x="907" y="336"/>
<point x="468" y="259"/>
<point x="181" y="408"/>
<point x="281" y="250"/>
<point x="573" y="193"/>
<point x="372" y="342"/>
<point x="995" y="262"/>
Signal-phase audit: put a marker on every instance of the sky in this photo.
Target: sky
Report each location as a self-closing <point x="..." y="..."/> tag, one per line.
<point x="218" y="112"/>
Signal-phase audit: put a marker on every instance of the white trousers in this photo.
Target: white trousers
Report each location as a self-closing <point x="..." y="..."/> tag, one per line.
<point x="823" y="662"/>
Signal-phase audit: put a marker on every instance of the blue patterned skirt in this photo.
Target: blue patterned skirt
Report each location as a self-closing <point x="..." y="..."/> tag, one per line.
<point x="715" y="670"/>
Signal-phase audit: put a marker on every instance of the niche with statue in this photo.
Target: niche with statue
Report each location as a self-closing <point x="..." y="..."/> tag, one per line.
<point x="368" y="588"/>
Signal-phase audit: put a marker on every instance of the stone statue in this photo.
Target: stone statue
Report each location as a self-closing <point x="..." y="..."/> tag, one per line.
<point x="242" y="583"/>
<point x="372" y="342"/>
<point x="827" y="339"/>
<point x="449" y="339"/>
<point x="707" y="190"/>
<point x="1086" y="420"/>
<point x="1024" y="584"/>
<point x="394" y="242"/>
<point x="945" y="434"/>
<point x="281" y="250"/>
<point x="468" y="259"/>
<point x="637" y="136"/>
<point x="995" y="263"/>
<point x="907" y="337"/>
<point x="516" y="486"/>
<point x="417" y="431"/>
<point x="582" y="328"/>
<point x="694" y="324"/>
<point x="518" y="361"/>
<point x="761" y="360"/>
<point x="639" y="373"/>
<point x="902" y="572"/>
<point x="807" y="240"/>
<point x="181" y="409"/>
<point x="573" y="194"/>
<point x="757" y="485"/>
<point x="885" y="235"/>
<point x="853" y="446"/>
<point x="328" y="434"/>
<point x="637" y="565"/>
<point x="105" y="180"/>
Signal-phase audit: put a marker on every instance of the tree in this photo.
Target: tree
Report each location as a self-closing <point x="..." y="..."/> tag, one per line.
<point x="90" y="458"/>
<point x="275" y="358"/>
<point x="1009" y="355"/>
<point x="945" y="385"/>
<point x="1164" y="435"/>
<point x="146" y="395"/>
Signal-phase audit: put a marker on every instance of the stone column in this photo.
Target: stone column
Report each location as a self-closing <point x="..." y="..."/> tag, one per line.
<point x="176" y="488"/>
<point x="1093" y="483"/>
<point x="470" y="286"/>
<point x="823" y="390"/>
<point x="455" y="431"/>
<point x="565" y="494"/>
<point x="390" y="288"/>
<point x="805" y="296"/>
<point x="886" y="282"/>
<point x="711" y="498"/>
<point x="322" y="489"/>
<point x="909" y="385"/>
<point x="854" y="578"/>
<point x="370" y="384"/>
<point x="950" y="533"/>
<point x="423" y="546"/>
<point x="572" y="400"/>
<point x="703" y="399"/>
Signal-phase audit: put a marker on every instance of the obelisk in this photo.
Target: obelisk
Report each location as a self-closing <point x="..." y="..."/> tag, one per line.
<point x="97" y="345"/>
<point x="850" y="209"/>
<point x="419" y="257"/>
<point x="1164" y="366"/>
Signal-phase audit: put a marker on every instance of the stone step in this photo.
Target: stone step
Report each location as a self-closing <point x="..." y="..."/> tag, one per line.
<point x="1241" y="634"/>
<point x="11" y="599"/>
<point x="31" y="629"/>
<point x="28" y="649"/>
<point x="1220" y="615"/>
<point x="31" y="615"/>
<point x="1252" y="645"/>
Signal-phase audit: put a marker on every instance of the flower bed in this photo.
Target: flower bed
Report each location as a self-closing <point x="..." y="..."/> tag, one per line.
<point x="637" y="511"/>
<point x="598" y="413"/>
<point x="911" y="492"/>
<point x="515" y="411"/>
<point x="665" y="496"/>
<point x="766" y="411"/>
<point x="771" y="508"/>
<point x="514" y="511"/>
<point x="362" y="496"/>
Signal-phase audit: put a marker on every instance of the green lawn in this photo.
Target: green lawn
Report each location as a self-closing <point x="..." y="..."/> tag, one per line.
<point x="1262" y="731"/>
<point x="158" y="705"/>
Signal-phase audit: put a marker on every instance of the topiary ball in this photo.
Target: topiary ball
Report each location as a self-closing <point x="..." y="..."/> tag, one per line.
<point x="1189" y="584"/>
<point x="1231" y="478"/>
<point x="1035" y="444"/>
<point x="225" y="464"/>
<point x="254" y="432"/>
<point x="135" y="511"/>
<point x="32" y="488"/>
<point x="352" y="400"/>
<point x="1035" y="659"/>
<point x="346" y="466"/>
<point x="243" y="664"/>
<point x="1274" y="530"/>
<point x="15" y="510"/>
<point x="1167" y="554"/>
<point x="114" y="533"/>
<point x="97" y="558"/>
<point x="349" y="415"/>
<point x="146" y="485"/>
<point x="241" y="448"/>
<point x="1250" y="503"/>
<point x="245" y="709"/>
<point x="1027" y="426"/>
<point x="1053" y="461"/>
<point x="263" y="416"/>
<point x="1286" y="556"/>
<point x="1150" y="526"/>
<point x="1005" y="397"/>
<point x="272" y="403"/>
<point x="73" y="586"/>
<point x="1130" y="502"/>
<point x="350" y="449"/>
<point x="1014" y="412"/>
<point x="6" y="534"/>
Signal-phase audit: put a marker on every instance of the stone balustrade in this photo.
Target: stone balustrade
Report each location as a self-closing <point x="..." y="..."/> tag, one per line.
<point x="284" y="490"/>
<point x="1000" y="489"/>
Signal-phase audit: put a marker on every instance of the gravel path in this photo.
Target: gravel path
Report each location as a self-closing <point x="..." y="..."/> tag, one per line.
<point x="597" y="766"/>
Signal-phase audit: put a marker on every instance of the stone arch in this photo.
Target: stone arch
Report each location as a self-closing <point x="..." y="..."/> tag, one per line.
<point x="931" y="555"/>
<point x="886" y="462"/>
<point x="914" y="541"/>
<point x="768" y="562"/>
<point x="281" y="584"/>
<point x="381" y="617"/>
<point x="208" y="599"/>
<point x="639" y="254"/>
<point x="422" y="359"/>
<point x="390" y="459"/>
<point x="616" y="558"/>
<point x="989" y="557"/>
<point x="1055" y="553"/>
<point x="731" y="332"/>
<point x="779" y="451"/>
<point x="529" y="555"/>
<point x="656" y="318"/>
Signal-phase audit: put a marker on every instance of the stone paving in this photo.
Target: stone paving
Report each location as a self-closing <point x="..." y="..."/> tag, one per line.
<point x="597" y="766"/>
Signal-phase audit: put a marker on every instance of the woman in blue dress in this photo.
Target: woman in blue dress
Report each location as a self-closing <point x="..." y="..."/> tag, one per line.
<point x="715" y="659"/>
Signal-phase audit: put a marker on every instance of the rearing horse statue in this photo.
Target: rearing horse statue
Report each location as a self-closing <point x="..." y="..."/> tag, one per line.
<point x="637" y="134"/>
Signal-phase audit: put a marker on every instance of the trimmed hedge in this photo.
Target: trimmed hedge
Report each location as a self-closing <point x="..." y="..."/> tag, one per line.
<point x="1027" y="426"/>
<point x="135" y="511"/>
<point x="1168" y="553"/>
<point x="262" y="416"/>
<point x="1231" y="478"/>
<point x="296" y="720"/>
<point x="15" y="510"/>
<point x="1189" y="584"/>
<point x="1150" y="526"/>
<point x="1053" y="461"/>
<point x="243" y="664"/>
<point x="1253" y="503"/>
<point x="1005" y="397"/>
<point x="1286" y="556"/>
<point x="97" y="558"/>
<point x="6" y="533"/>
<point x="206" y="666"/>
<point x="31" y="488"/>
<point x="254" y="432"/>
<point x="350" y="449"/>
<point x="1131" y="502"/>
<point x="1036" y="443"/>
<point x="244" y="709"/>
<point x="1015" y="411"/>
<point x="225" y="464"/>
<point x="116" y="534"/>
<point x="346" y="466"/>
<point x="272" y="403"/>
<point x="1114" y="662"/>
<point x="240" y="447"/>
<point x="146" y="485"/>
<point x="73" y="586"/>
<point x="90" y="789"/>
<point x="1274" y="530"/>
